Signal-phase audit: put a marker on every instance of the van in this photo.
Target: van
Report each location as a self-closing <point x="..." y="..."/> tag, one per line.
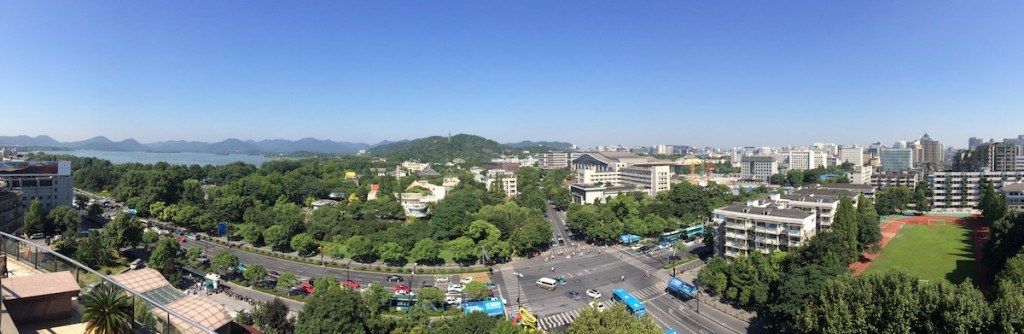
<point x="547" y="283"/>
<point x="136" y="264"/>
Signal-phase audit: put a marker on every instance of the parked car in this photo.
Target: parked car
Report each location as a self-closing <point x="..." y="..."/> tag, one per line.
<point x="442" y="279"/>
<point x="467" y="279"/>
<point x="308" y="287"/>
<point x="456" y="287"/>
<point x="426" y="284"/>
<point x="573" y="295"/>
<point x="636" y="246"/>
<point x="490" y="285"/>
<point x="593" y="293"/>
<point x="402" y="289"/>
<point x="395" y="278"/>
<point x="37" y="236"/>
<point x="350" y="284"/>
<point x="561" y="281"/>
<point x="452" y="300"/>
<point x="136" y="264"/>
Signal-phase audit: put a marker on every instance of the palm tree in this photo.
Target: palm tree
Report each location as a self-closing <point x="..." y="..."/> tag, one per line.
<point x="107" y="310"/>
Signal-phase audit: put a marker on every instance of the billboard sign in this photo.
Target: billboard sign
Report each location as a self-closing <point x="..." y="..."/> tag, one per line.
<point x="222" y="229"/>
<point x="35" y="168"/>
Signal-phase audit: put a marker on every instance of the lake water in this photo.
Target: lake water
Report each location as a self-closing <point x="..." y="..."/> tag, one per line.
<point x="182" y="158"/>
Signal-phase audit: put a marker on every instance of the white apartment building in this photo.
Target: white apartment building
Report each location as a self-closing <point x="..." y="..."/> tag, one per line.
<point x="907" y="178"/>
<point x="822" y="203"/>
<point x="555" y="160"/>
<point x="623" y="169"/>
<point x="961" y="191"/>
<point x="761" y="227"/>
<point x="758" y="168"/>
<point x="416" y="203"/>
<point x="860" y="175"/>
<point x="853" y="155"/>
<point x="508" y="183"/>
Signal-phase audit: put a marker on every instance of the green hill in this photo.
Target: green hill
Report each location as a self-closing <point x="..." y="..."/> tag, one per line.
<point x="440" y="149"/>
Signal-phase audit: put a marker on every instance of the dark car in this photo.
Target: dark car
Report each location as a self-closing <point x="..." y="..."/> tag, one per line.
<point x="574" y="295"/>
<point x="426" y="284"/>
<point x="396" y="278"/>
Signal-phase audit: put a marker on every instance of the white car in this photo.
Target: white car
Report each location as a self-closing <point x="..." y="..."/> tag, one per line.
<point x="453" y="300"/>
<point x="636" y="246"/>
<point x="456" y="287"/>
<point x="467" y="279"/>
<point x="598" y="305"/>
<point x="593" y="293"/>
<point x="442" y="279"/>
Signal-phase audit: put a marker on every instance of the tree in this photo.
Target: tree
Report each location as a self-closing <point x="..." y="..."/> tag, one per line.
<point x="795" y="178"/>
<point x="272" y="317"/>
<point x="463" y="250"/>
<point x="224" y="262"/>
<point x="277" y="237"/>
<point x="868" y="230"/>
<point x="892" y="200"/>
<point x="376" y="298"/>
<point x="709" y="238"/>
<point x="425" y="251"/>
<point x="254" y="273"/>
<point x="166" y="248"/>
<point x="65" y="220"/>
<point x="123" y="231"/>
<point x="431" y="297"/>
<point x="93" y="251"/>
<point x="192" y="192"/>
<point x="533" y="234"/>
<point x="324" y="284"/>
<point x="392" y="253"/>
<point x="992" y="205"/>
<point x="287" y="279"/>
<point x="360" y="248"/>
<point x="614" y="320"/>
<point x="845" y="223"/>
<point x="304" y="243"/>
<point x="192" y="254"/>
<point x="921" y="199"/>
<point x="107" y="310"/>
<point x="476" y="291"/>
<point x="35" y="218"/>
<point x="251" y="233"/>
<point x="334" y="311"/>
<point x="149" y="238"/>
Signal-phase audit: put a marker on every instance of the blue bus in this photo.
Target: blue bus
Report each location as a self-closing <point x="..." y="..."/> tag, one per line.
<point x="632" y="304"/>
<point x="681" y="289"/>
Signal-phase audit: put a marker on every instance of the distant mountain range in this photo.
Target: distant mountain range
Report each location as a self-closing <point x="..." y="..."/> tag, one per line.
<point x="232" y="145"/>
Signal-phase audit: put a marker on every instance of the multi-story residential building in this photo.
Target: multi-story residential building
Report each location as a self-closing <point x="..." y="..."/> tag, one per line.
<point x="822" y="203"/>
<point x="623" y="169"/>
<point x="761" y="227"/>
<point x="853" y="155"/>
<point x="49" y="182"/>
<point x="860" y="175"/>
<point x="907" y="178"/>
<point x="895" y="159"/>
<point x="961" y="191"/>
<point x="589" y="194"/>
<point x="507" y="181"/>
<point x="996" y="157"/>
<point x="10" y="209"/>
<point x="758" y="168"/>
<point x="1014" y="193"/>
<point x="555" y="160"/>
<point x="806" y="159"/>
<point x="502" y="165"/>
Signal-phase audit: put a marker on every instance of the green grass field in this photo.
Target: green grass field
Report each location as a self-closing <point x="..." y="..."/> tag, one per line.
<point x="940" y="251"/>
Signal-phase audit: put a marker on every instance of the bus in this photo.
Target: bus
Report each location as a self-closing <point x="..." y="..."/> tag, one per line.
<point x="671" y="236"/>
<point x="694" y="231"/>
<point x="402" y="302"/>
<point x="681" y="289"/>
<point x="632" y="304"/>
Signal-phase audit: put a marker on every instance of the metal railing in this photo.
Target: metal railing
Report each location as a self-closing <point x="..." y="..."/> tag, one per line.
<point x="41" y="258"/>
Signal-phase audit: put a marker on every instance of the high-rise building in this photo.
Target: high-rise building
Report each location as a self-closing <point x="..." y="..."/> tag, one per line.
<point x="853" y="155"/>
<point x="931" y="150"/>
<point x="642" y="173"/>
<point x="10" y="209"/>
<point x="806" y="159"/>
<point x="894" y="159"/>
<point x="960" y="191"/>
<point x="555" y="160"/>
<point x="974" y="142"/>
<point x="758" y="168"/>
<point x="995" y="157"/>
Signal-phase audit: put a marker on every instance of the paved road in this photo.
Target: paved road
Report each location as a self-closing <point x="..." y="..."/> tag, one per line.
<point x="303" y="270"/>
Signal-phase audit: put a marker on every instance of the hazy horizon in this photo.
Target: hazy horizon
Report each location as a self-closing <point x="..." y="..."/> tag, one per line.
<point x="588" y="73"/>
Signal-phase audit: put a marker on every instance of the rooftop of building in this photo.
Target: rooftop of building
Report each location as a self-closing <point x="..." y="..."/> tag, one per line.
<point x="612" y="157"/>
<point x="771" y="211"/>
<point x="151" y="283"/>
<point x="1015" y="187"/>
<point x="845" y="186"/>
<point x="811" y="198"/>
<point x="825" y="192"/>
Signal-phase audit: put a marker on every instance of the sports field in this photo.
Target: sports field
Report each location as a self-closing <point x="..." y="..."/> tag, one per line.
<point x="942" y="250"/>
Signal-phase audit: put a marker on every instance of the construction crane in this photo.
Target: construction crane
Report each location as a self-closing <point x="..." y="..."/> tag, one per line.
<point x="693" y="174"/>
<point x="707" y="172"/>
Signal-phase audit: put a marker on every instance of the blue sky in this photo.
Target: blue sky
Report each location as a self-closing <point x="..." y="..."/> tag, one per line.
<point x="589" y="72"/>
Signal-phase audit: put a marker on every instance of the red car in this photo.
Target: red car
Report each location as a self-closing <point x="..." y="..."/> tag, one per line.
<point x="402" y="288"/>
<point x="350" y="284"/>
<point x="308" y="287"/>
